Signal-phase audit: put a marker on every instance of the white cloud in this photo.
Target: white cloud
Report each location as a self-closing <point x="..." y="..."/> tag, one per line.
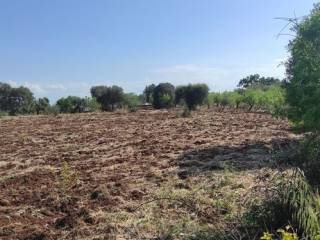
<point x="34" y="87"/>
<point x="190" y="73"/>
<point x="12" y="83"/>
<point x="218" y="78"/>
<point x="51" y="90"/>
<point x="57" y="86"/>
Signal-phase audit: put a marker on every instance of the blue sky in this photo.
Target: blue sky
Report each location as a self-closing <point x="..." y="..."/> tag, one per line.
<point x="63" y="47"/>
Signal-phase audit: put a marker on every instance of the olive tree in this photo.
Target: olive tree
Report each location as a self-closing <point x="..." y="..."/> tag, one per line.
<point x="108" y="97"/>
<point x="15" y="101"/>
<point x="41" y="105"/>
<point x="193" y="95"/>
<point x="163" y="95"/>
<point x="148" y="93"/>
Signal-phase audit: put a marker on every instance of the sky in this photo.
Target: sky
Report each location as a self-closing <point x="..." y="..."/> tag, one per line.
<point x="63" y="47"/>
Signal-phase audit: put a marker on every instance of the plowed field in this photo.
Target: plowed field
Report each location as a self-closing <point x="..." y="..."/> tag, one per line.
<point x="132" y="175"/>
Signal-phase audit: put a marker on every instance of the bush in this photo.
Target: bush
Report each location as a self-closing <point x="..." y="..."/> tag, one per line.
<point x="71" y="104"/>
<point x="3" y="114"/>
<point x="302" y="202"/>
<point x="276" y="101"/>
<point x="271" y="99"/>
<point x="290" y="200"/>
<point x="220" y="99"/>
<point x="214" y="99"/>
<point x="236" y="98"/>
<point x="53" y="110"/>
<point x="307" y="157"/>
<point x="251" y="98"/>
<point x="91" y="105"/>
<point x="131" y="101"/>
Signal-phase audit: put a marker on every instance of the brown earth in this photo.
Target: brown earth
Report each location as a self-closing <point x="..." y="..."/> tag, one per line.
<point x="99" y="175"/>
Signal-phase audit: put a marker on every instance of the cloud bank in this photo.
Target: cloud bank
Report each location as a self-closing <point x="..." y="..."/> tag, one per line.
<point x="217" y="78"/>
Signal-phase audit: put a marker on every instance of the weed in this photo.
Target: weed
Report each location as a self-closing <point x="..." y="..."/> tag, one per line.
<point x="186" y="112"/>
<point x="67" y="178"/>
<point x="3" y="114"/>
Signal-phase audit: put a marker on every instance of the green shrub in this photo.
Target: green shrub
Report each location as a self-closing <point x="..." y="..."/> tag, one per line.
<point x="214" y="99"/>
<point x="131" y="101"/>
<point x="275" y="101"/>
<point x="71" y="104"/>
<point x="302" y="202"/>
<point x="3" y="114"/>
<point x="91" y="105"/>
<point x="222" y="100"/>
<point x="53" y="110"/>
<point x="251" y="98"/>
<point x="236" y="98"/>
<point x="271" y="99"/>
<point x="307" y="157"/>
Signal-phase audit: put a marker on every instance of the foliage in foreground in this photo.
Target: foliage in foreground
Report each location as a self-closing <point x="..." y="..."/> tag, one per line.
<point x="293" y="202"/>
<point x="302" y="202"/>
<point x="285" y="234"/>
<point x="303" y="70"/>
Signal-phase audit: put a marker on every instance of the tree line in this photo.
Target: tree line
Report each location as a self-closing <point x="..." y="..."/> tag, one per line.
<point x="252" y="91"/>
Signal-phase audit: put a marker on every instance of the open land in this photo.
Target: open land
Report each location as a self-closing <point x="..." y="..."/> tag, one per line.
<point x="148" y="174"/>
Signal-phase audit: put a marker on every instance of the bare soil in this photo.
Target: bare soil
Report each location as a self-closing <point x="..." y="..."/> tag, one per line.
<point x="116" y="175"/>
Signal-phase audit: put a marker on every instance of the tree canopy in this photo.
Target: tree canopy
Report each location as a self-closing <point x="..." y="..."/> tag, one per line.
<point x="303" y="72"/>
<point x="148" y="93"/>
<point x="108" y="97"/>
<point x="41" y="105"/>
<point x="163" y="95"/>
<point x="192" y="95"/>
<point x="15" y="101"/>
<point x="256" y="81"/>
